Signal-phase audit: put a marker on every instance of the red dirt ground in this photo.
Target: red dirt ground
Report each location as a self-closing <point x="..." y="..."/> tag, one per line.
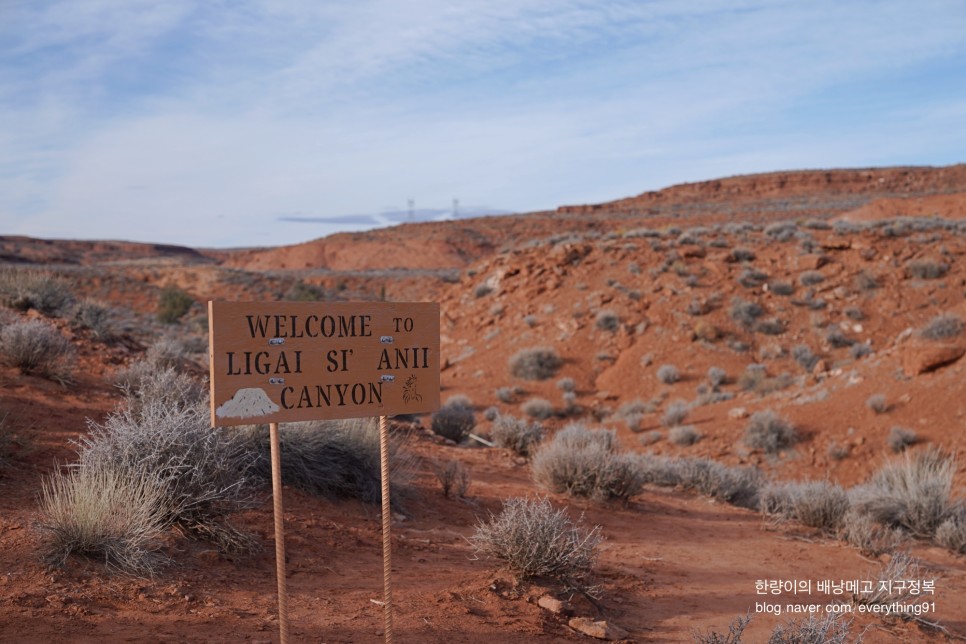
<point x="672" y="562"/>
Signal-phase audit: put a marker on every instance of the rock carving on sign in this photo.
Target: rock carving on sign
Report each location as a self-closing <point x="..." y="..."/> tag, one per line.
<point x="247" y="403"/>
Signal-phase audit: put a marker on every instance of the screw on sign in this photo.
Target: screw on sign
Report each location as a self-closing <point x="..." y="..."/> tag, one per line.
<point x="273" y="362"/>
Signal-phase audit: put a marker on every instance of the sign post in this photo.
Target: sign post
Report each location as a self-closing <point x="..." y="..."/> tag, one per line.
<point x="273" y="362"/>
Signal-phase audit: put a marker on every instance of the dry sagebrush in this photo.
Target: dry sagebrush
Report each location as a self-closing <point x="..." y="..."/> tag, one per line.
<point x="535" y="540"/>
<point x="587" y="463"/>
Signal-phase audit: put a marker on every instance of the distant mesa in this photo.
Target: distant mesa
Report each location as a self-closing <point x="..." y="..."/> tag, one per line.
<point x="247" y="403"/>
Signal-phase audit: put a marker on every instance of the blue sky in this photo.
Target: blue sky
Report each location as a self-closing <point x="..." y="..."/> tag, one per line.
<point x="241" y="123"/>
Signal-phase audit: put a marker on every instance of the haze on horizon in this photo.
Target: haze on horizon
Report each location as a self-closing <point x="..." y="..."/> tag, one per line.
<point x="266" y="123"/>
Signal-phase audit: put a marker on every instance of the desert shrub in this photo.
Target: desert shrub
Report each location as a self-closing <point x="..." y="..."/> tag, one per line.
<point x="951" y="533"/>
<point x="926" y="269"/>
<point x="804" y="357"/>
<point x="114" y="515"/>
<point x="752" y="278"/>
<point x="811" y="278"/>
<point x="877" y="403"/>
<point x="675" y="413"/>
<point x="771" y="326"/>
<point x="535" y="540"/>
<point x="741" y="254"/>
<point x="893" y="588"/>
<point x="37" y="348"/>
<point x="334" y="458"/>
<point x="832" y="628"/>
<point x="860" y="350"/>
<point x="453" y="478"/>
<point x="854" y="313"/>
<point x="781" y="231"/>
<point x="539" y="408"/>
<point x="482" y="290"/>
<point x="585" y="463"/>
<point x="744" y="312"/>
<point x="717" y="377"/>
<point x="516" y="434"/>
<point x="837" y="339"/>
<point x="668" y="374"/>
<point x="607" y="321"/>
<point x="566" y="384"/>
<point x="942" y="327"/>
<point x="96" y="318"/>
<point x="816" y="504"/>
<point x="301" y="291"/>
<point x="752" y="377"/>
<point x="650" y="437"/>
<point x="29" y="289"/>
<point x="203" y="472"/>
<point x="505" y="395"/>
<point x="683" y="435"/>
<point x="537" y="363"/>
<point x="912" y="493"/>
<point x="570" y="403"/>
<point x="173" y="304"/>
<point x="144" y="382"/>
<point x="169" y="351"/>
<point x="781" y="288"/>
<point x="860" y="531"/>
<point x="491" y="413"/>
<point x="735" y="485"/>
<point x="769" y="432"/>
<point x="735" y="631"/>
<point x="454" y="420"/>
<point x="900" y="438"/>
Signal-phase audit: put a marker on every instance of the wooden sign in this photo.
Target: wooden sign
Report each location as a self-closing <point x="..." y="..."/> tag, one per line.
<point x="274" y="362"/>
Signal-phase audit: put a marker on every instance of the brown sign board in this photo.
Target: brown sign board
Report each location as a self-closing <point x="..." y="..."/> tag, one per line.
<point x="274" y="362"/>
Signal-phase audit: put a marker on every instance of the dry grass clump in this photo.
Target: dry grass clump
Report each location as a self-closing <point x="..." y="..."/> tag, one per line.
<point x="900" y="438"/>
<point x="675" y="413"/>
<point x="735" y="632"/>
<point x="877" y="403"/>
<point x="103" y="513"/>
<point x="173" y="304"/>
<point x="926" y="269"/>
<point x="539" y="408"/>
<point x="745" y="313"/>
<point x="892" y="588"/>
<point x="37" y="348"/>
<point x="202" y="472"/>
<point x="816" y="504"/>
<point x="735" y="485"/>
<point x="668" y="374"/>
<point x="683" y="435"/>
<point x="830" y="628"/>
<point x="951" y="533"/>
<point x="769" y="432"/>
<point x="717" y="377"/>
<point x="96" y="318"/>
<point x="607" y="321"/>
<point x="912" y="493"/>
<point x="942" y="327"/>
<point x="30" y="289"/>
<point x="538" y="363"/>
<point x="516" y="434"/>
<point x="453" y="478"/>
<point x="454" y="420"/>
<point x="536" y="541"/>
<point x="804" y="357"/>
<point x="587" y="463"/>
<point x="335" y="458"/>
